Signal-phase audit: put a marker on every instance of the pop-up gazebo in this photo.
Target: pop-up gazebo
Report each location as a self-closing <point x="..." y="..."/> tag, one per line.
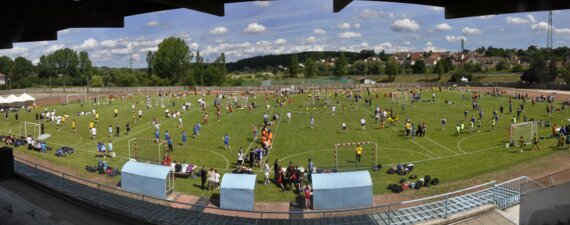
<point x="147" y="179"/>
<point x="342" y="190"/>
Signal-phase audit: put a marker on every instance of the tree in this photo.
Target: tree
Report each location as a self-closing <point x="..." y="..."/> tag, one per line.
<point x="502" y="65"/>
<point x="5" y="65"/>
<point x="392" y="69"/>
<point x="172" y="59"/>
<point x="419" y="66"/>
<point x="96" y="81"/>
<point x="149" y="56"/>
<point x="360" y="68"/>
<point x="199" y="69"/>
<point x="535" y="72"/>
<point x="21" y="69"/>
<point x="439" y="69"/>
<point x="294" y="66"/>
<point x="310" y="68"/>
<point x="340" y="66"/>
<point x="85" y="65"/>
<point x="374" y="67"/>
<point x="64" y="61"/>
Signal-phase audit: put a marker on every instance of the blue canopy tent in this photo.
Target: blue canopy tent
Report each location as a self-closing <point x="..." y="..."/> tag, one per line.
<point x="342" y="190"/>
<point x="147" y="179"/>
<point x="237" y="191"/>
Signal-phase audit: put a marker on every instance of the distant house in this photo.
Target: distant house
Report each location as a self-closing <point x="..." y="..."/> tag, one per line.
<point x="2" y="79"/>
<point x="364" y="80"/>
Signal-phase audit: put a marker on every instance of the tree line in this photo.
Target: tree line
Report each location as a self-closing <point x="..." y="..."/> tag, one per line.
<point x="172" y="64"/>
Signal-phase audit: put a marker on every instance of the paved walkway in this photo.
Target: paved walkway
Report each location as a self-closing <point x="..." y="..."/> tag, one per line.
<point x="493" y="218"/>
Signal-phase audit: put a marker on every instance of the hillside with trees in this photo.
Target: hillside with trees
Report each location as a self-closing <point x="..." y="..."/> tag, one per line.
<point x="175" y="64"/>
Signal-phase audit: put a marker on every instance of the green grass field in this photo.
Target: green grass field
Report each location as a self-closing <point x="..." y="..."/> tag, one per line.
<point x="442" y="154"/>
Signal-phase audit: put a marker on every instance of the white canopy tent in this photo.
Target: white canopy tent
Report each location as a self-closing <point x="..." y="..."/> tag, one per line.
<point x="14" y="101"/>
<point x="27" y="98"/>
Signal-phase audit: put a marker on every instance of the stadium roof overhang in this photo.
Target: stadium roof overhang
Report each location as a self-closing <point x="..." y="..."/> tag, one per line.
<point x="39" y="20"/>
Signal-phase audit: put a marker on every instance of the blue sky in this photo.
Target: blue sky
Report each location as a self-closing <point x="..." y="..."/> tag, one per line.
<point x="260" y="28"/>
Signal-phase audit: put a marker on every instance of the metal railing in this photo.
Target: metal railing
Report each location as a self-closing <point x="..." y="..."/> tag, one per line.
<point x="439" y="206"/>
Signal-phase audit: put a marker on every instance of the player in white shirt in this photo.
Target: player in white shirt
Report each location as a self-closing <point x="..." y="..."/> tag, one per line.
<point x="344" y="126"/>
<point x="333" y="110"/>
<point x="93" y="132"/>
<point x="180" y="122"/>
<point x="288" y="116"/>
<point x="363" y="123"/>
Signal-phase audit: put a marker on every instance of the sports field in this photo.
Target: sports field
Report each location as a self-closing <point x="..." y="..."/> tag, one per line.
<point x="441" y="153"/>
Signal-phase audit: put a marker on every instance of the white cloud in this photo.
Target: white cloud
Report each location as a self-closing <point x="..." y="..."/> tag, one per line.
<point x="565" y="31"/>
<point x="194" y="46"/>
<point x="435" y="8"/>
<point x="219" y="31"/>
<point x="53" y="48"/>
<point x="429" y="44"/>
<point x="405" y="25"/>
<point x="470" y="30"/>
<point x="262" y="3"/>
<point x="109" y="44"/>
<point x="369" y="13"/>
<point x="319" y="31"/>
<point x="254" y="28"/>
<point x="441" y="27"/>
<point x="540" y="26"/>
<point x="531" y="18"/>
<point x="88" y="44"/>
<point x="153" y="23"/>
<point x="280" y="42"/>
<point x="356" y="26"/>
<point x="452" y="38"/>
<point x="43" y="43"/>
<point x="311" y="39"/>
<point x="389" y="47"/>
<point x="354" y="48"/>
<point x="516" y="20"/>
<point x="152" y="49"/>
<point x="262" y="43"/>
<point x="349" y="35"/>
<point x="18" y="51"/>
<point x="101" y="55"/>
<point x="486" y="17"/>
<point x="343" y="26"/>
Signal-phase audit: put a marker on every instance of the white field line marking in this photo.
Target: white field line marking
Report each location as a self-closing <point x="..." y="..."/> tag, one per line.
<point x="258" y="131"/>
<point x="421" y="146"/>
<point x="452" y="156"/>
<point x="446" y="148"/>
<point x="412" y="140"/>
<point x="459" y="144"/>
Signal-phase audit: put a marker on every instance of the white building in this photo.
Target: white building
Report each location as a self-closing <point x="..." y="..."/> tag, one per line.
<point x="2" y="79"/>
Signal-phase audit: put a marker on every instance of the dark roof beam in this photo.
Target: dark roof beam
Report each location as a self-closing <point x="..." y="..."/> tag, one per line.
<point x="462" y="8"/>
<point x="62" y="18"/>
<point x="214" y="7"/>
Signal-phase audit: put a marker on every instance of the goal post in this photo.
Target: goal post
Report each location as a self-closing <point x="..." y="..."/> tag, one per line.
<point x="140" y="149"/>
<point x="73" y="96"/>
<point x="29" y="128"/>
<point x="527" y="130"/>
<point x="367" y="146"/>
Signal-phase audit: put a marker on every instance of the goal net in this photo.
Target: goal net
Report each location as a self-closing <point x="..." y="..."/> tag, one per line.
<point x="31" y="129"/>
<point x="345" y="155"/>
<point x="162" y="101"/>
<point x="526" y="130"/>
<point x="79" y="97"/>
<point x="399" y="96"/>
<point x="146" y="150"/>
